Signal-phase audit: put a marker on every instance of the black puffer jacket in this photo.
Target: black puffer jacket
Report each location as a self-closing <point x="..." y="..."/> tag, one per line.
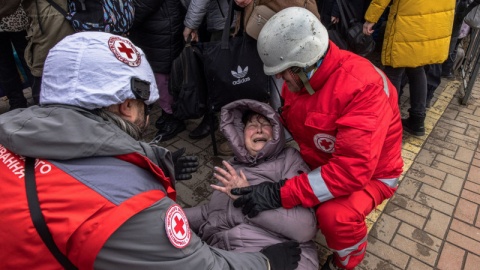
<point x="157" y="30"/>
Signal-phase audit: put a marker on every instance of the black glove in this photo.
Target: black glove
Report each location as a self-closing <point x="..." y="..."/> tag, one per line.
<point x="258" y="198"/>
<point x="283" y="256"/>
<point x="184" y="165"/>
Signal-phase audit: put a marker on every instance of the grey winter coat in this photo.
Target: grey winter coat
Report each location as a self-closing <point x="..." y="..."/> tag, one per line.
<point x="222" y="225"/>
<point x="198" y="9"/>
<point x="68" y="134"/>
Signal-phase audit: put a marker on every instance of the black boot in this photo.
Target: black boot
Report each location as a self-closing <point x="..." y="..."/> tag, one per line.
<point x="329" y="264"/>
<point x="171" y="127"/>
<point x="203" y="128"/>
<point x="414" y="125"/>
<point x="162" y="119"/>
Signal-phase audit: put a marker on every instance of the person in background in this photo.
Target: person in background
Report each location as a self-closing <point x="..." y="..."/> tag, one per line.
<point x="214" y="12"/>
<point x="343" y="113"/>
<point x="107" y="198"/>
<point x="257" y="138"/>
<point x="330" y="13"/>
<point x="12" y="36"/>
<point x="157" y="29"/>
<point x="47" y="27"/>
<point x="417" y="34"/>
<point x="447" y="66"/>
<point x="456" y="52"/>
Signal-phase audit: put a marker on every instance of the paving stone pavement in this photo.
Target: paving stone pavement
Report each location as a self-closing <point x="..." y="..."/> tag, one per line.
<point x="432" y="222"/>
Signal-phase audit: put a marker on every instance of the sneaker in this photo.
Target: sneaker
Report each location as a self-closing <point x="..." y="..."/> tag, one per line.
<point x="414" y="125"/>
<point x="448" y="75"/>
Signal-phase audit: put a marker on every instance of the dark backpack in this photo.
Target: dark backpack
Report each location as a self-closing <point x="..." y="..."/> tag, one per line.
<point x="112" y="16"/>
<point x="350" y="35"/>
<point x="187" y="84"/>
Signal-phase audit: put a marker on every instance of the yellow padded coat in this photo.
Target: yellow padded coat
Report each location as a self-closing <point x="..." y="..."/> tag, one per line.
<point x="417" y="33"/>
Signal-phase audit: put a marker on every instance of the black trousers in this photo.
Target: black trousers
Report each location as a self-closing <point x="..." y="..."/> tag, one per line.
<point x="10" y="79"/>
<point x="417" y="80"/>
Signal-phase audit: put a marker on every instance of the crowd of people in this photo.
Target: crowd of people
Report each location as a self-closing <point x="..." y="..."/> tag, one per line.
<point x="98" y="196"/>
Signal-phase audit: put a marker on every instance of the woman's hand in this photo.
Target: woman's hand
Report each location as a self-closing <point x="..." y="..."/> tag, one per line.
<point x="230" y="179"/>
<point x="243" y="3"/>
<point x="187" y="32"/>
<point x="368" y="28"/>
<point x="334" y="20"/>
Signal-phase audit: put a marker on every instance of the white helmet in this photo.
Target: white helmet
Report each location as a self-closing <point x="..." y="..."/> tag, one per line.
<point x="294" y="37"/>
<point x="95" y="70"/>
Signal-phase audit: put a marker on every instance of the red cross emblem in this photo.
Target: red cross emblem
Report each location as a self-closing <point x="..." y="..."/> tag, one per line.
<point x="324" y="142"/>
<point x="179" y="226"/>
<point x="124" y="51"/>
<point x="176" y="226"/>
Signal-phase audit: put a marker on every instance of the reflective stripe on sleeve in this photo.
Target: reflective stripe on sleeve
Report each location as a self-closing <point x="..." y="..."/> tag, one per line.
<point x="384" y="78"/>
<point x="318" y="185"/>
<point x="391" y="182"/>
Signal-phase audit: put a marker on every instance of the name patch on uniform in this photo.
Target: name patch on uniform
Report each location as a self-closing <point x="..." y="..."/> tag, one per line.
<point x="176" y="226"/>
<point x="324" y="142"/>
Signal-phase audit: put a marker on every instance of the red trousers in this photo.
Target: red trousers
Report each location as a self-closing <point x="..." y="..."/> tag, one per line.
<point x="342" y="222"/>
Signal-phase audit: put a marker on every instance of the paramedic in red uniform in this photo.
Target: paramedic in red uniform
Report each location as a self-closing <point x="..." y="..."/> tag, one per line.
<point x="107" y="199"/>
<point x="343" y="113"/>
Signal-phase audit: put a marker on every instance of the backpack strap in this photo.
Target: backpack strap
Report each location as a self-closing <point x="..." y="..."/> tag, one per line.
<point x="60" y="9"/>
<point x="343" y="17"/>
<point x="37" y="216"/>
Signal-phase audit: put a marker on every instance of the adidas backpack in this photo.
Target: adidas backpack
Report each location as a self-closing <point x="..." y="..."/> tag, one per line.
<point x="112" y="16"/>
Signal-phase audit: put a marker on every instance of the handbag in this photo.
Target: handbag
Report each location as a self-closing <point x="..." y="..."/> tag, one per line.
<point x="257" y="20"/>
<point x="233" y="69"/>
<point x="357" y="41"/>
<point x="187" y="84"/>
<point x="473" y="17"/>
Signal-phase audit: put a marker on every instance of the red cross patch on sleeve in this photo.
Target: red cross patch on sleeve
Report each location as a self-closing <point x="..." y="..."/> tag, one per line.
<point x="176" y="226"/>
<point x="324" y="142"/>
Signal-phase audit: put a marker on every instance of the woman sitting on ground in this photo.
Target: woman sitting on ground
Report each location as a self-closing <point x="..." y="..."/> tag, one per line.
<point x="257" y="138"/>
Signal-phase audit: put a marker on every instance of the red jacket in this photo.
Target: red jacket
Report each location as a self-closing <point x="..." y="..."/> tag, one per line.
<point x="80" y="206"/>
<point x="349" y="131"/>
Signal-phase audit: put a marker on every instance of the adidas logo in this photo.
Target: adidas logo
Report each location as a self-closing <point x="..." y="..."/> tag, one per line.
<point x="240" y="75"/>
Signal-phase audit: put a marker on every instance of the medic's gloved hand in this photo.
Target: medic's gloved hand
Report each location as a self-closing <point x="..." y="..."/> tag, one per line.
<point x="283" y="256"/>
<point x="258" y="198"/>
<point x="184" y="165"/>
